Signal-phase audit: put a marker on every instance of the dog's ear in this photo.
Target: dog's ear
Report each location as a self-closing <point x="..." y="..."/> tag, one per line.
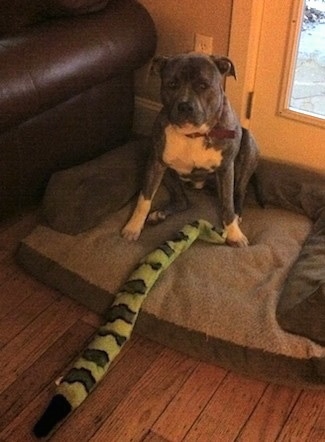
<point x="225" y="66"/>
<point x="158" y="63"/>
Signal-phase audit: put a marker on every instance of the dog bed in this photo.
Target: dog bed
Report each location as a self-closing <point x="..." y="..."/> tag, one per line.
<point x="259" y="311"/>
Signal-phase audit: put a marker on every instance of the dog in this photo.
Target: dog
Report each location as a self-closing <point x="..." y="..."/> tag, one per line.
<point x="196" y="136"/>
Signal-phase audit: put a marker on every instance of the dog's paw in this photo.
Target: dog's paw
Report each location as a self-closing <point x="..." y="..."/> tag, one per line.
<point x="156" y="217"/>
<point x="238" y="242"/>
<point x="235" y="236"/>
<point x="130" y="233"/>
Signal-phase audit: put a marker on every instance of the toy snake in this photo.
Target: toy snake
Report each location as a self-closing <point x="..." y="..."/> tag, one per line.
<point x="92" y="365"/>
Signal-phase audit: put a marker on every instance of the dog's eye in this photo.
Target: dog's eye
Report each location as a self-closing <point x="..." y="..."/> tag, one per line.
<point x="203" y="85"/>
<point x="172" y="84"/>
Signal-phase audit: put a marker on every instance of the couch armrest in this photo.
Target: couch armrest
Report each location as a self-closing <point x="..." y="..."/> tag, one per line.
<point x="58" y="59"/>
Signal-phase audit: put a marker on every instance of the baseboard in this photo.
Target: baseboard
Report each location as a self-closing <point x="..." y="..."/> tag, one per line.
<point x="145" y="113"/>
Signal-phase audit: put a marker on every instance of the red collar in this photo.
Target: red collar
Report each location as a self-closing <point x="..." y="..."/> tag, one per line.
<point x="216" y="132"/>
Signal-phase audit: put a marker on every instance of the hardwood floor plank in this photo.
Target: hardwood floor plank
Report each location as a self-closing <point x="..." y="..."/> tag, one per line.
<point x="20" y="429"/>
<point x="13" y="230"/>
<point x="43" y="371"/>
<point x="270" y="414"/>
<point x="115" y="387"/>
<point x="22" y="351"/>
<point x="317" y="433"/>
<point x="23" y="314"/>
<point x="228" y="410"/>
<point x="8" y="267"/>
<point x="189" y="402"/>
<point x="93" y="319"/>
<point x="151" y="436"/>
<point x="307" y="420"/>
<point x="17" y="289"/>
<point x="146" y="400"/>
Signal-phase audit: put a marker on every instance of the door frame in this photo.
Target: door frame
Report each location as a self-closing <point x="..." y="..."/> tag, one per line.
<point x="244" y="43"/>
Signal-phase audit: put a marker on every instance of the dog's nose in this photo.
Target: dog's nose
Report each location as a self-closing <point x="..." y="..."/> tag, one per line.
<point x="185" y="107"/>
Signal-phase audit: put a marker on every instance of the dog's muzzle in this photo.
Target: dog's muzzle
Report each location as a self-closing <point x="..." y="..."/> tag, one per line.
<point x="186" y="112"/>
<point x="186" y="108"/>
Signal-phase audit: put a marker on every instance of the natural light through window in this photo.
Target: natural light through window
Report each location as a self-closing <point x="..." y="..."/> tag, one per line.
<point x="308" y="87"/>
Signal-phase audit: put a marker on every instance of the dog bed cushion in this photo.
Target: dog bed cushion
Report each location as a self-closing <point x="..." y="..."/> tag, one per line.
<point x="81" y="197"/>
<point x="217" y="303"/>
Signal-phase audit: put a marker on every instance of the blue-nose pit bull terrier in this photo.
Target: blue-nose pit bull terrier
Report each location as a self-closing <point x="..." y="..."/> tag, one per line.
<point x="196" y="137"/>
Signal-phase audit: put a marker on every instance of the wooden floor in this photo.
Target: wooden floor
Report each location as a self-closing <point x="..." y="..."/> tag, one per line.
<point x="151" y="393"/>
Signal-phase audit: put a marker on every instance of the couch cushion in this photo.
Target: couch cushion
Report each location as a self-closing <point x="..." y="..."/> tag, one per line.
<point x="75" y="6"/>
<point x="55" y="61"/>
<point x="17" y="14"/>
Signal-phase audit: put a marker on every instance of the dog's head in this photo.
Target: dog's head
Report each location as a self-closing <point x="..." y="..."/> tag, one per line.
<point x="192" y="88"/>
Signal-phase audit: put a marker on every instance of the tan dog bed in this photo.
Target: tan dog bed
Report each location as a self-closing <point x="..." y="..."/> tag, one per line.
<point x="225" y="305"/>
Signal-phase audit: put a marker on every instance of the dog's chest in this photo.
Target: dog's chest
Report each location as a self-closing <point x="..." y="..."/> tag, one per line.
<point x="184" y="154"/>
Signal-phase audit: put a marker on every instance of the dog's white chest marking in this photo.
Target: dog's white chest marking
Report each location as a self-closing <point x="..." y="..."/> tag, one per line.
<point x="184" y="154"/>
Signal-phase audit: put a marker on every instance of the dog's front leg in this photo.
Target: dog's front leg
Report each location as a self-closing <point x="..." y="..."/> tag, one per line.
<point x="178" y="200"/>
<point x="225" y="185"/>
<point x="153" y="178"/>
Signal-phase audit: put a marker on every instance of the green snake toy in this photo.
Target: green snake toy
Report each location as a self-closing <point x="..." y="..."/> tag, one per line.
<point x="95" y="360"/>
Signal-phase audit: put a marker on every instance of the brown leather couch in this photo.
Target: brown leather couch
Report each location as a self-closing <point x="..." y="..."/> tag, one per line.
<point x="66" y="86"/>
